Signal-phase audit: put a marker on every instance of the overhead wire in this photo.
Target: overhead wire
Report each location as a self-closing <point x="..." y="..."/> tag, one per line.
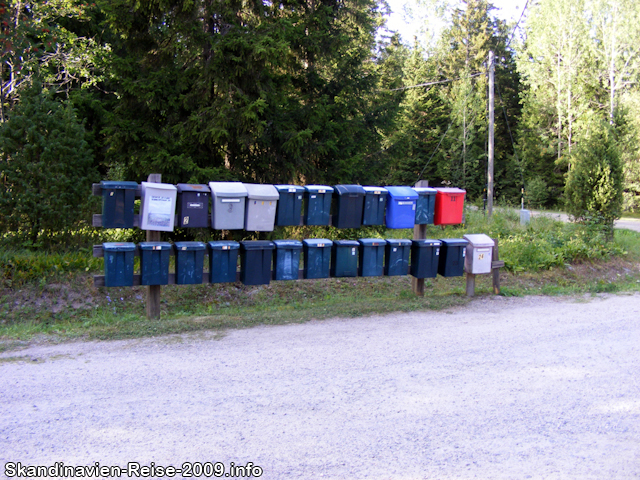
<point x="517" y="24"/>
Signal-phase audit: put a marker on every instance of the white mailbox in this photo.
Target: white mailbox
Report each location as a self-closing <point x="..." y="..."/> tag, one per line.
<point x="260" y="213"/>
<point x="158" y="206"/>
<point x="228" y="200"/>
<point x="479" y="253"/>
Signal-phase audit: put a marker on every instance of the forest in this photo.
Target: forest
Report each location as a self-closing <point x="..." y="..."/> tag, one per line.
<point x="315" y="92"/>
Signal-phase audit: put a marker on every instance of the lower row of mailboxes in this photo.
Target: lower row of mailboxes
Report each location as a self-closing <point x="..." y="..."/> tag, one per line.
<point x="323" y="258"/>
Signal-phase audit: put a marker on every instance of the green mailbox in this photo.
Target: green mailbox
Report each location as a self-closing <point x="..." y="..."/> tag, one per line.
<point x="425" y="206"/>
<point x="255" y="262"/>
<point x="317" y="257"/>
<point x="290" y="204"/>
<point x="118" y="263"/>
<point x="397" y="253"/>
<point x="189" y="262"/>
<point x="344" y="261"/>
<point x="317" y="204"/>
<point x="223" y="261"/>
<point x="117" y="204"/>
<point x="286" y="259"/>
<point x="371" y="257"/>
<point x="154" y="263"/>
<point x="424" y="258"/>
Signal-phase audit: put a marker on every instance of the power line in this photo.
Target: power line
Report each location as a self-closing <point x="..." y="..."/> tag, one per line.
<point x="434" y="83"/>
<point x="434" y="152"/>
<point x="516" y="27"/>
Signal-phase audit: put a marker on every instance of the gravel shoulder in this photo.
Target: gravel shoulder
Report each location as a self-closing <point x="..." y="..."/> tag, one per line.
<point x="533" y="387"/>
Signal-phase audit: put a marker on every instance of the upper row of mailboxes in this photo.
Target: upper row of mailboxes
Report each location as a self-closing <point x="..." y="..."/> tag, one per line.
<point x="258" y="207"/>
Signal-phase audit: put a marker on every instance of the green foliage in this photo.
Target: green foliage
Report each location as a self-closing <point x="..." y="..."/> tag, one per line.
<point x="594" y="185"/>
<point x="20" y="267"/>
<point x="46" y="167"/>
<point x="536" y="193"/>
<point x="544" y="243"/>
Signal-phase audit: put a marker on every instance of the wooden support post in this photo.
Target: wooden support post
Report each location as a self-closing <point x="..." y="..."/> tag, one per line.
<point x="496" y="269"/>
<point x="419" y="233"/>
<point x="471" y="284"/>
<point x="153" y="291"/>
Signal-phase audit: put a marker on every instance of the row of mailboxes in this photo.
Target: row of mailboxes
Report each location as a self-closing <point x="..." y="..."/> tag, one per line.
<point x="255" y="207"/>
<point x="322" y="258"/>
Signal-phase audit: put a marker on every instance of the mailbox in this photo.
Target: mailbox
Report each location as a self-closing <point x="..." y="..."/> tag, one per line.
<point x="375" y="205"/>
<point x="452" y="254"/>
<point x="227" y="209"/>
<point x="261" y="204"/>
<point x="118" y="263"/>
<point x="397" y="253"/>
<point x="255" y="262"/>
<point x="479" y="253"/>
<point x="193" y="205"/>
<point x="289" y="208"/>
<point x="189" y="262"/>
<point x="349" y="206"/>
<point x="117" y="204"/>
<point x="158" y="206"/>
<point x="449" y="206"/>
<point x="154" y="263"/>
<point x="223" y="261"/>
<point x="371" y="257"/>
<point x="317" y="204"/>
<point x="425" y="256"/>
<point x="401" y="207"/>
<point x="425" y="206"/>
<point x="286" y="259"/>
<point x="344" y="261"/>
<point x="317" y="257"/>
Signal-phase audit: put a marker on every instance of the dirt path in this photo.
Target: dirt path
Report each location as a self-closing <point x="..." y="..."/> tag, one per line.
<point x="533" y="387"/>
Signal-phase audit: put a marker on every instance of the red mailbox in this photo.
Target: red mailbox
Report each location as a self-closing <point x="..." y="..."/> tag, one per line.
<point x="449" y="205"/>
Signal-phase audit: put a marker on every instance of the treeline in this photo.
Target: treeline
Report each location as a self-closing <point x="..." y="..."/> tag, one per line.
<point x="313" y="91"/>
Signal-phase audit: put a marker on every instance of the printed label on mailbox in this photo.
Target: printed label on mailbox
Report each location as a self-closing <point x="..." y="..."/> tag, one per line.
<point x="292" y="190"/>
<point x="437" y="252"/>
<point x="230" y="200"/>
<point x="322" y="191"/>
<point x="463" y="253"/>
<point x="353" y="251"/>
<point x="405" y="203"/>
<point x="313" y="196"/>
<point x="198" y="205"/>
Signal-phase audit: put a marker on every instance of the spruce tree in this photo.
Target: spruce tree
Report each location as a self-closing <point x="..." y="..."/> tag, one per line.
<point x="45" y="166"/>
<point x="594" y="184"/>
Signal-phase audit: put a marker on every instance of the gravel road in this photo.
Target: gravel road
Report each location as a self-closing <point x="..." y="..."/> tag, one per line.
<point x="626" y="223"/>
<point x="533" y="387"/>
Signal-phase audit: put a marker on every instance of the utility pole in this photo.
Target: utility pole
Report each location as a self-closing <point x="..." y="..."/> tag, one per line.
<point x="491" y="128"/>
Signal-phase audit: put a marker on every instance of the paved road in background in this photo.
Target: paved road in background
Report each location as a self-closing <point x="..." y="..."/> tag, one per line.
<point x="533" y="387"/>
